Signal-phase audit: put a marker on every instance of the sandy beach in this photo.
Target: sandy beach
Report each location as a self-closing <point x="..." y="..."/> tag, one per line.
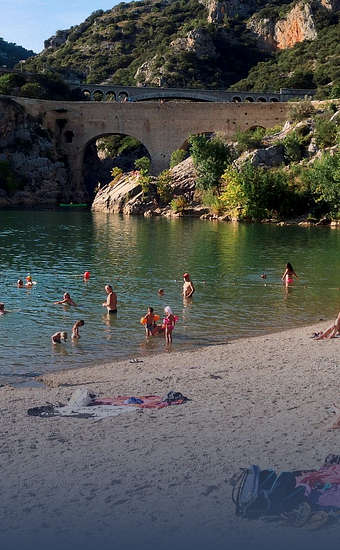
<point x="161" y="477"/>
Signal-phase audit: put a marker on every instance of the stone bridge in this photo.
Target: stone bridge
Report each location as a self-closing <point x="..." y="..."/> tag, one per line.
<point x="161" y="128"/>
<point x="113" y="92"/>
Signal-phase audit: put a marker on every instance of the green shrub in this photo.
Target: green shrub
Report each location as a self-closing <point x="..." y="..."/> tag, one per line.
<point x="248" y="140"/>
<point x="33" y="90"/>
<point x="143" y="164"/>
<point x="256" y="193"/>
<point x="293" y="147"/>
<point x="116" y="172"/>
<point x="145" y="182"/>
<point x="323" y="178"/>
<point x="211" y="156"/>
<point x="163" y="185"/>
<point x="10" y="82"/>
<point x="178" y="204"/>
<point x="177" y="156"/>
<point x="213" y="201"/>
<point x="325" y="132"/>
<point x="300" y="110"/>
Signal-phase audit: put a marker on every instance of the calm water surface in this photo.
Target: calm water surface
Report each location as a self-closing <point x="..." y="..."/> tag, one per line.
<point x="138" y="256"/>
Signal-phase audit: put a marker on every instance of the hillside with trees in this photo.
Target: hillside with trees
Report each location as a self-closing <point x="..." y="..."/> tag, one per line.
<point x="11" y="54"/>
<point x="249" y="45"/>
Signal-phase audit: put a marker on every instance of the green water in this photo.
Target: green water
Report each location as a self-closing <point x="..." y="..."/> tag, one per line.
<point x="138" y="256"/>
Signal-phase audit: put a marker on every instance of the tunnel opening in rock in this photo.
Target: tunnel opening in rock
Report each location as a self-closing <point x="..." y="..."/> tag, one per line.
<point x="106" y="152"/>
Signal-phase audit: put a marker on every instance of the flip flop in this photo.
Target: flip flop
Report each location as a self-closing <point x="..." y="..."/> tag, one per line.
<point x="136" y="361"/>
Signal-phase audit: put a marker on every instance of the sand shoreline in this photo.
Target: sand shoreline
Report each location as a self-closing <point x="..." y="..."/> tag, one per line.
<point x="156" y="476"/>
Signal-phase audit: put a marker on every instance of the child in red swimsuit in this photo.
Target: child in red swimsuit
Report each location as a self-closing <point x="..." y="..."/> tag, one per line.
<point x="169" y="322"/>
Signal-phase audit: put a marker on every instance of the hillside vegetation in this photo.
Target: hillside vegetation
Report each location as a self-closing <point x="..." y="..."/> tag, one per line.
<point x="11" y="54"/>
<point x="202" y="43"/>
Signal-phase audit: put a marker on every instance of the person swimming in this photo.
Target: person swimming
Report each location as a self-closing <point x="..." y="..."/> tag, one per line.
<point x="289" y="274"/>
<point x="67" y="300"/>
<point x="20" y="283"/>
<point x="2" y="309"/>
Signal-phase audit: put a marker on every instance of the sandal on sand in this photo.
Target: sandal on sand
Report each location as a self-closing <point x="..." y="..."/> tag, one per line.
<point x="319" y="519"/>
<point x="299" y="516"/>
<point x="136" y="361"/>
<point x="316" y="334"/>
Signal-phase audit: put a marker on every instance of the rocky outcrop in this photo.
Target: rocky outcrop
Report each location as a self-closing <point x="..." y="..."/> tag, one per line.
<point x="269" y="157"/>
<point x="57" y="40"/>
<point x="197" y="41"/>
<point x="296" y="26"/>
<point x="124" y="196"/>
<point x="218" y="10"/>
<point x="32" y="172"/>
<point x="151" y="73"/>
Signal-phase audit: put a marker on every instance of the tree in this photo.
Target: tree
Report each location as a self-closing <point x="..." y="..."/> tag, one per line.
<point x="211" y="156"/>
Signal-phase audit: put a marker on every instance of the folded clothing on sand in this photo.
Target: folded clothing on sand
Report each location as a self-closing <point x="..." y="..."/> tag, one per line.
<point x="143" y="401"/>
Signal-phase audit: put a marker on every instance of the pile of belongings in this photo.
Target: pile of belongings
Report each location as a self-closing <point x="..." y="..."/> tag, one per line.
<point x="83" y="403"/>
<point x="302" y="498"/>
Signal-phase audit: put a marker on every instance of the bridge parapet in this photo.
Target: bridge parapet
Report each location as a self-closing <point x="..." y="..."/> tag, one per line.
<point x="124" y="94"/>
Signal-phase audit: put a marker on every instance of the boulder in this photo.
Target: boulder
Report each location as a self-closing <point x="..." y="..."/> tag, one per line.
<point x="197" y="41"/>
<point x="268" y="157"/>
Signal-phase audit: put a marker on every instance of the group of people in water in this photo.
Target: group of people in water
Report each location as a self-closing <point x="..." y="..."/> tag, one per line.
<point x="150" y="319"/>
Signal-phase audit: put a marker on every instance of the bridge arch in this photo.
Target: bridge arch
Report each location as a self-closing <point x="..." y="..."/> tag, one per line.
<point x="110" y="96"/>
<point x="102" y="152"/>
<point x="98" y="95"/>
<point x="236" y="99"/>
<point x="249" y="99"/>
<point x="261" y="99"/>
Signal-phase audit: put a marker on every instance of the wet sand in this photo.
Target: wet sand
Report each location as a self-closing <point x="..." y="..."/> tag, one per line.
<point x="162" y="476"/>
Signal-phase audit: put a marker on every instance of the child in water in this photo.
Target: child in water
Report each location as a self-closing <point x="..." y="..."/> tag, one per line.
<point x="67" y="300"/>
<point x="288" y="275"/>
<point x="150" y="322"/>
<point x="2" y="309"/>
<point x="169" y="322"/>
<point x="59" y="337"/>
<point x="75" y="329"/>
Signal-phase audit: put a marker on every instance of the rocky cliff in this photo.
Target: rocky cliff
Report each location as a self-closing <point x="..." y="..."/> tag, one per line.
<point x="32" y="171"/>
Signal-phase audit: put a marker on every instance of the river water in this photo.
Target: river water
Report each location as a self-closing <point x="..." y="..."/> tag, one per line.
<point x="138" y="256"/>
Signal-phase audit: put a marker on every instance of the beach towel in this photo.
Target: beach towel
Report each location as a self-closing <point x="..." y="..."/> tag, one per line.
<point x="143" y="401"/>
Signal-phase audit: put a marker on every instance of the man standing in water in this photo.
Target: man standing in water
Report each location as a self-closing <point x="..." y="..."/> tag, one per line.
<point x="111" y="300"/>
<point x="188" y="287"/>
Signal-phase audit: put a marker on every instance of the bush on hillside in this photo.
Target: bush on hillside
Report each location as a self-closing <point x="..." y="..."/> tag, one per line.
<point x="211" y="156"/>
<point x="300" y="110"/>
<point x="177" y="156"/>
<point x="143" y="165"/>
<point x="325" y="132"/>
<point x="163" y="185"/>
<point x="247" y="140"/>
<point x="323" y="179"/>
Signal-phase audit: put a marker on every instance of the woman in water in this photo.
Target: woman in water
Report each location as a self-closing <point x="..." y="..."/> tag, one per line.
<point x="67" y="300"/>
<point x="288" y="275"/>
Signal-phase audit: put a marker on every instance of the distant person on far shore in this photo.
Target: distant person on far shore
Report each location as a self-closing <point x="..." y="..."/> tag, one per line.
<point x="330" y="332"/>
<point x="289" y="274"/>
<point x="67" y="300"/>
<point x="59" y="337"/>
<point x="188" y="287"/>
<point x="111" y="300"/>
<point x="2" y="309"/>
<point x="75" y="329"/>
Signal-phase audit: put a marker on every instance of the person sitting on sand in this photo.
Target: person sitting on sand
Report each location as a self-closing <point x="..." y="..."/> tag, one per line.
<point x="67" y="300"/>
<point x="75" y="328"/>
<point x="20" y="283"/>
<point x="188" y="287"/>
<point x="330" y="332"/>
<point x="289" y="274"/>
<point x="59" y="337"/>
<point x="111" y="300"/>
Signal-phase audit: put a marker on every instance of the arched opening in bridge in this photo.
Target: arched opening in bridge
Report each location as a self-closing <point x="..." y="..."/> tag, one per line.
<point x="110" y="96"/>
<point x="105" y="152"/>
<point x="274" y="99"/>
<point x="86" y="94"/>
<point x="98" y="95"/>
<point x="249" y="99"/>
<point x="262" y="99"/>
<point x="236" y="99"/>
<point x="122" y="97"/>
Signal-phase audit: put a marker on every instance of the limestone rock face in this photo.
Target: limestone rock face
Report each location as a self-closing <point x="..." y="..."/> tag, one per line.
<point x="123" y="197"/>
<point x="151" y="73"/>
<point x="296" y="26"/>
<point x="219" y="9"/>
<point x="268" y="157"/>
<point x="197" y="41"/>
<point x="31" y="171"/>
<point x="56" y="40"/>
